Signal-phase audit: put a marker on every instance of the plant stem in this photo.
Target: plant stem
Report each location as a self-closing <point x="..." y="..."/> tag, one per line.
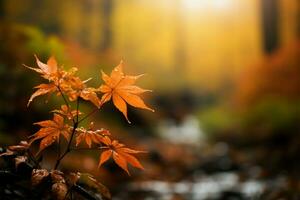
<point x="77" y="110"/>
<point x="63" y="96"/>
<point x="58" y="149"/>
<point x="93" y="111"/>
<point x="68" y="149"/>
<point x="66" y="101"/>
<point x="89" y="114"/>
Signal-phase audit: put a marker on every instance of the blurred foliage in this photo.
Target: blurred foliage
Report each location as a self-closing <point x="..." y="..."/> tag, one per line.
<point x="272" y="116"/>
<point x="37" y="42"/>
<point x="266" y="101"/>
<point x="277" y="76"/>
<point x="217" y="119"/>
<point x="19" y="44"/>
<point x="269" y="93"/>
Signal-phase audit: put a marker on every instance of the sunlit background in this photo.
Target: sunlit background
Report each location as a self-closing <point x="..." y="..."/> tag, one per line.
<point x="225" y="76"/>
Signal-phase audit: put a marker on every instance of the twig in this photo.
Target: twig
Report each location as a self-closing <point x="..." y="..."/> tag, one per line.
<point x="65" y="100"/>
<point x="68" y="149"/>
<point x="88" y="115"/>
<point x="58" y="149"/>
<point x="94" y="110"/>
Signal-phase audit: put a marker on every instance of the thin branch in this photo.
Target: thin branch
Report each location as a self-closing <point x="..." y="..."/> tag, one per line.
<point x="94" y="110"/>
<point x="68" y="149"/>
<point x="58" y="149"/>
<point x="63" y="96"/>
<point x="77" y="110"/>
<point x="88" y="115"/>
<point x="65" y="100"/>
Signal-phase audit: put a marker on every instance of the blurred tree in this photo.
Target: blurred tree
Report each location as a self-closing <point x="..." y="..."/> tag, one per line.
<point x="268" y="94"/>
<point x="2" y="10"/>
<point x="277" y="76"/>
<point x="270" y="24"/>
<point x="107" y="10"/>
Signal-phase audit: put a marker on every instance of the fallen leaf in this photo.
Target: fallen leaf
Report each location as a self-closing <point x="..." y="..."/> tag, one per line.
<point x="92" y="182"/>
<point x="38" y="175"/>
<point x="22" y="146"/>
<point x="72" y="178"/>
<point x="19" y="160"/>
<point x="59" y="190"/>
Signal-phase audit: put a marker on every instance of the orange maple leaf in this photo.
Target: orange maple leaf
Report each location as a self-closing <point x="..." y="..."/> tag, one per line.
<point x="62" y="81"/>
<point x="89" y="94"/>
<point x="50" y="131"/>
<point x="120" y="154"/>
<point x="122" y="90"/>
<point x="90" y="135"/>
<point x="41" y="90"/>
<point x="74" y="87"/>
<point x="67" y="112"/>
<point x="47" y="71"/>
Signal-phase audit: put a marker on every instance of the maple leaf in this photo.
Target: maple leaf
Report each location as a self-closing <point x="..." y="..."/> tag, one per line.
<point x="50" y="131"/>
<point x="120" y="154"/>
<point x="41" y="90"/>
<point x="122" y="90"/>
<point x="90" y="135"/>
<point x="74" y="87"/>
<point x="16" y="149"/>
<point x="89" y="94"/>
<point x="47" y="71"/>
<point x="66" y="111"/>
<point x="62" y="81"/>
